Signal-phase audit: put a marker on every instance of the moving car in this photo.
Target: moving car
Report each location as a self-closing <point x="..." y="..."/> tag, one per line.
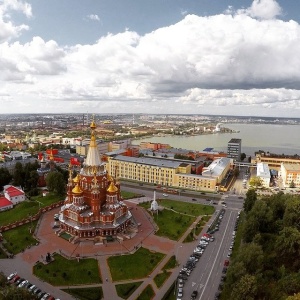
<point x="194" y="295"/>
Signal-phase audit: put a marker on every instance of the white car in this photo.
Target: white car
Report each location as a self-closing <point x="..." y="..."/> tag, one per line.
<point x="165" y="195"/>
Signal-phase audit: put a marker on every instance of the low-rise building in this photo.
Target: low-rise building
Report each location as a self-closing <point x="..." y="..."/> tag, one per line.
<point x="14" y="194"/>
<point x="263" y="172"/>
<point x="5" y="204"/>
<point x="290" y="173"/>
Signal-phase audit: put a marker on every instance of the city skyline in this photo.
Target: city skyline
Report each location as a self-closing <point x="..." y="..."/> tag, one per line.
<point x="229" y="58"/>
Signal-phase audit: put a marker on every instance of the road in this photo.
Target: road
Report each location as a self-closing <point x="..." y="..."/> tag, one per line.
<point x="186" y="196"/>
<point x="205" y="278"/>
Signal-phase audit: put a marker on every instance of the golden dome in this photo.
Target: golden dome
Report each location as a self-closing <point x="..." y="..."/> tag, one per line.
<point x="77" y="189"/>
<point x="93" y="125"/>
<point x="76" y="179"/>
<point x="112" y="188"/>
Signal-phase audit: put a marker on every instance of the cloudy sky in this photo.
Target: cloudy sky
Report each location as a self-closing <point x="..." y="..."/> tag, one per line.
<point x="229" y="57"/>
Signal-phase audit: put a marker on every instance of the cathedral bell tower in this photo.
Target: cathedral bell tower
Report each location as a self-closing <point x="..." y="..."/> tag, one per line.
<point x="95" y="202"/>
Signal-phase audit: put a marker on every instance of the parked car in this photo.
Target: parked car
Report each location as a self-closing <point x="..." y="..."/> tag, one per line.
<point x="11" y="276"/>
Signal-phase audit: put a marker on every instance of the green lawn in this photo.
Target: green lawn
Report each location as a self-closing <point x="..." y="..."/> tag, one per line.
<point x="24" y="209"/>
<point x="127" y="289"/>
<point x="187" y="208"/>
<point x="134" y="266"/>
<point x="129" y="195"/>
<point x="94" y="293"/>
<point x="19" y="238"/>
<point x="63" y="271"/>
<point x="146" y="294"/>
<point x="2" y="254"/>
<point x="170" y="294"/>
<point x="171" y="263"/>
<point x="171" y="224"/>
<point x="160" y="278"/>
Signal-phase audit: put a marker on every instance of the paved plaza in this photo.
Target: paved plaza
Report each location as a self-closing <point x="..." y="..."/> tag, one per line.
<point x="50" y="242"/>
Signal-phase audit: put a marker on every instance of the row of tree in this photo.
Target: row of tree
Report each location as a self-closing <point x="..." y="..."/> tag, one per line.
<point x="267" y="263"/>
<point x="27" y="178"/>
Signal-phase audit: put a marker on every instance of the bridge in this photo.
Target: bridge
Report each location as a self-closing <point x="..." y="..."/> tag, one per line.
<point x="244" y="164"/>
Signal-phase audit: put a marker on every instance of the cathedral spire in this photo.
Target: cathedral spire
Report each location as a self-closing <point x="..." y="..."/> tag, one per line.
<point x="93" y="157"/>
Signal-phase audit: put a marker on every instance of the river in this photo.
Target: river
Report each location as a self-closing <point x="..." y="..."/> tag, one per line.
<point x="277" y="139"/>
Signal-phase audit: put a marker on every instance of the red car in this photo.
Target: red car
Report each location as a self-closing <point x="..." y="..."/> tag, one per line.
<point x="14" y="279"/>
<point x="226" y="263"/>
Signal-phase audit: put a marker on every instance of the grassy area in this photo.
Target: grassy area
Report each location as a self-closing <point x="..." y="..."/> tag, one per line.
<point x="127" y="289"/>
<point x="146" y="294"/>
<point x="19" y="238"/>
<point x="171" y="264"/>
<point x="24" y="209"/>
<point x="62" y="271"/>
<point x="129" y="195"/>
<point x="187" y="208"/>
<point x="134" y="266"/>
<point x="160" y="278"/>
<point x="189" y="238"/>
<point x="170" y="294"/>
<point x="94" y="293"/>
<point x="2" y="254"/>
<point x="171" y="224"/>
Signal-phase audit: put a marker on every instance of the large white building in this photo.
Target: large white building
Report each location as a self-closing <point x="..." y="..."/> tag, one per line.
<point x="263" y="172"/>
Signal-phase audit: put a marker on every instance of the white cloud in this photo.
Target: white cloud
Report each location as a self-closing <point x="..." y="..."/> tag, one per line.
<point x="93" y="17"/>
<point x="263" y="9"/>
<point x="9" y="30"/>
<point x="226" y="61"/>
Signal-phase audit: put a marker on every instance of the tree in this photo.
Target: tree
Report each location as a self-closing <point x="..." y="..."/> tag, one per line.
<point x="245" y="288"/>
<point x="250" y="199"/>
<point x="292" y="184"/>
<point x="18" y="179"/>
<point x="292" y="213"/>
<point x="294" y="297"/>
<point x="290" y="284"/>
<point x="55" y="183"/>
<point x="5" y="177"/>
<point x="288" y="246"/>
<point x="255" y="182"/>
<point x="259" y="220"/>
<point x="252" y="256"/>
<point x="235" y="272"/>
<point x="243" y="156"/>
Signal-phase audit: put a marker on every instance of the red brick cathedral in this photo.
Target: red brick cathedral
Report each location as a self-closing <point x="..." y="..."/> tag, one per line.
<point x="93" y="206"/>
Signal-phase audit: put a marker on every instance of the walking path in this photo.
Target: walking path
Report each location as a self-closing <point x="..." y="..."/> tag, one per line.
<point x="50" y="242"/>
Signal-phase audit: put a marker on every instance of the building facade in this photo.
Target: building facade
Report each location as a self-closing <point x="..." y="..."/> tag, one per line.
<point x="290" y="173"/>
<point x="234" y="149"/>
<point x="93" y="206"/>
<point x="263" y="172"/>
<point x="168" y="173"/>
